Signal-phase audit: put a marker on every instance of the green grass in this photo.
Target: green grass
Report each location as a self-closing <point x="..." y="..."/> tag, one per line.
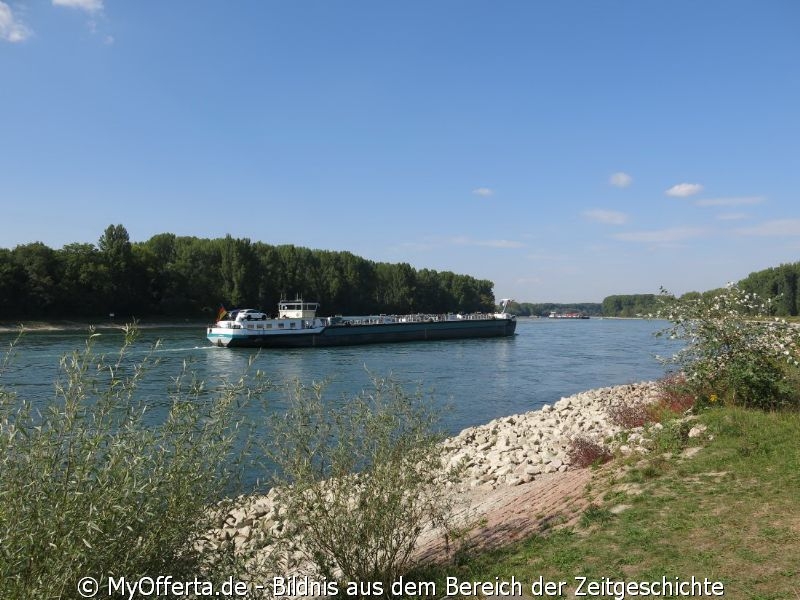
<point x="731" y="513"/>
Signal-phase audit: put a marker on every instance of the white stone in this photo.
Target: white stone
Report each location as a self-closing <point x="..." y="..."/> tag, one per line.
<point x="697" y="431"/>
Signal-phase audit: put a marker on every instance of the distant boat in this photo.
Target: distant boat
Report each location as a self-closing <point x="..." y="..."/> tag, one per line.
<point x="568" y="315"/>
<point x="298" y="325"/>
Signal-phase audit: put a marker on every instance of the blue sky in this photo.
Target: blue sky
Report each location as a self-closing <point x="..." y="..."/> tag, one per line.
<point x="565" y="150"/>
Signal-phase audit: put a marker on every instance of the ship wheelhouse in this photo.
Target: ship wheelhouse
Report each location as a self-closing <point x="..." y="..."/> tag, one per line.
<point x="297" y="309"/>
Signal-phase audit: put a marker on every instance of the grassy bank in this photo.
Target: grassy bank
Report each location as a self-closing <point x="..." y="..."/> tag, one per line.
<point x="730" y="512"/>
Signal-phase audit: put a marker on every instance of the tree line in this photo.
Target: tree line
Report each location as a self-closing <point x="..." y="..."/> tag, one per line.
<point x="777" y="285"/>
<point x="190" y="277"/>
<point x="629" y="305"/>
<point x="543" y="309"/>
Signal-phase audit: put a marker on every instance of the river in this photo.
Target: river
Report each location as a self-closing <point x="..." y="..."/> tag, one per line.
<point x="477" y="380"/>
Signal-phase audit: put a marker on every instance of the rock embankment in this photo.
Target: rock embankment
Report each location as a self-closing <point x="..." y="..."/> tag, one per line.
<point x="519" y="448"/>
<point x="509" y="451"/>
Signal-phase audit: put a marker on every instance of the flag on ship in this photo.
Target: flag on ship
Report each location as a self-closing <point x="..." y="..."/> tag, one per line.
<point x="222" y="312"/>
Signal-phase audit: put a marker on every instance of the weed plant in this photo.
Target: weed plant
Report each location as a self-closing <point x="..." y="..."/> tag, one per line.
<point x="585" y="452"/>
<point x="365" y="480"/>
<point x="675" y="397"/>
<point x="595" y="515"/>
<point x="629" y="414"/>
<point x="92" y="486"/>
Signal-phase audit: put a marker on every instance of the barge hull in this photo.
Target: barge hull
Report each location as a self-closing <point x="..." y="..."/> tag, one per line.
<point x="351" y="335"/>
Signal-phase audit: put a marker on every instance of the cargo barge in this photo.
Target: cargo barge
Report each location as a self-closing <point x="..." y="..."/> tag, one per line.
<point x="298" y="326"/>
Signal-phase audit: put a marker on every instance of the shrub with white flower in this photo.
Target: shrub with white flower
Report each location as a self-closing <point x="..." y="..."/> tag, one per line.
<point x="734" y="349"/>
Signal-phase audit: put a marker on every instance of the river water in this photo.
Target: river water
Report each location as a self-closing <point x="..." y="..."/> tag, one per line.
<point x="477" y="380"/>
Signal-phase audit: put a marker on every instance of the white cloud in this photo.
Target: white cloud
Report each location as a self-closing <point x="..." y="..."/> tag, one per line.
<point x="93" y="8"/>
<point x="547" y="257"/>
<point x="736" y="201"/>
<point x="684" y="190"/>
<point x="778" y="227"/>
<point x="459" y="240"/>
<point x="483" y="191"/>
<point x="90" y="6"/>
<point x="465" y="241"/>
<point x="11" y="29"/>
<point x="499" y="243"/>
<point x="732" y="216"/>
<point x="660" y="236"/>
<point x="608" y="217"/>
<point x="620" y="179"/>
<point x="417" y="246"/>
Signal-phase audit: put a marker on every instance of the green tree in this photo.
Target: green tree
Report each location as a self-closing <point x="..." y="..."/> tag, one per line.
<point x="40" y="269"/>
<point x="12" y="285"/>
<point x="629" y="305"/>
<point x="238" y="271"/>
<point x="115" y="247"/>
<point x="81" y="288"/>
<point x="789" y="295"/>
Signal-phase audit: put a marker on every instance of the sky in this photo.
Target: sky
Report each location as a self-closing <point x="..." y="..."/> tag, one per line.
<point x="566" y="150"/>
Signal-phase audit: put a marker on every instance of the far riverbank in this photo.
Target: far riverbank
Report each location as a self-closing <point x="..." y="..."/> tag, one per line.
<point x="78" y="326"/>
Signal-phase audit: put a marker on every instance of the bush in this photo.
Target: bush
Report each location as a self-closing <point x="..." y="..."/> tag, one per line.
<point x="360" y="482"/>
<point x="629" y="414"/>
<point x="676" y="396"/>
<point x="585" y="452"/>
<point x="91" y="485"/>
<point x="734" y="351"/>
